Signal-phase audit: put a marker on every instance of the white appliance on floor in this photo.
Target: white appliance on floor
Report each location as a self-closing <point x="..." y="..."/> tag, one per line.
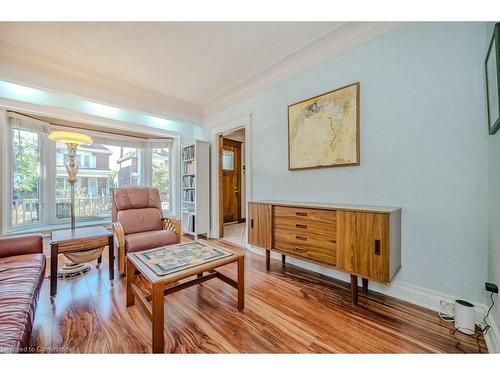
<point x="464" y="317"/>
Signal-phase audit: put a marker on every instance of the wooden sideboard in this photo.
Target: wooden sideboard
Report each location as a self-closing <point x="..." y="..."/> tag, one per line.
<point x="363" y="241"/>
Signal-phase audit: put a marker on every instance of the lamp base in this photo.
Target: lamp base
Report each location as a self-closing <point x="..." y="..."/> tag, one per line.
<point x="72" y="270"/>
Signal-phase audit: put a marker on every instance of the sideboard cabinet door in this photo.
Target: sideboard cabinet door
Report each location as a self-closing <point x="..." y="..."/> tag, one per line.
<point x="363" y="244"/>
<point x="259" y="225"/>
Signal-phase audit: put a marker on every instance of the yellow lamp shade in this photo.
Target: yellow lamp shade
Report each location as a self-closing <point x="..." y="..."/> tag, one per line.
<point x="70" y="138"/>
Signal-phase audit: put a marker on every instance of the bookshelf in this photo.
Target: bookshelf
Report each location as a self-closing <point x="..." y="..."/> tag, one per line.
<point x="195" y="188"/>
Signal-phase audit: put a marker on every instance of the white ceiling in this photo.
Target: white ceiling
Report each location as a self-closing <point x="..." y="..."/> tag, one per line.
<point x="176" y="70"/>
<point x="194" y="62"/>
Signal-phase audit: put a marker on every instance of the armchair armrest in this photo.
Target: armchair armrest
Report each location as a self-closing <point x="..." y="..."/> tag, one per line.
<point x="169" y="223"/>
<point x="119" y="233"/>
<point x="119" y="239"/>
<point x="20" y="245"/>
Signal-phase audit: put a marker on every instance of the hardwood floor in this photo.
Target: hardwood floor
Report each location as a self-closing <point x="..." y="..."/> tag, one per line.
<point x="287" y="310"/>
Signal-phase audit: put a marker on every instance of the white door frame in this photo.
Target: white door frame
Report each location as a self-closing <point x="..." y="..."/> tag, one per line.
<point x="243" y="122"/>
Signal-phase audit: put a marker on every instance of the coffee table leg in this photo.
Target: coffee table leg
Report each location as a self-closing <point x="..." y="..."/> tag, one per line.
<point x="111" y="258"/>
<point x="53" y="271"/>
<point x="130" y="280"/>
<point x="158" y="301"/>
<point x="241" y="283"/>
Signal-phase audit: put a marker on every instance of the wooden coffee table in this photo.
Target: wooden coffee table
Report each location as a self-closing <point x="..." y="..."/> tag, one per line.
<point x="160" y="286"/>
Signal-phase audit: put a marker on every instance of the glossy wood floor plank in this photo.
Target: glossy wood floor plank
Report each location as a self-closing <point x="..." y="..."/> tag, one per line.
<point x="287" y="310"/>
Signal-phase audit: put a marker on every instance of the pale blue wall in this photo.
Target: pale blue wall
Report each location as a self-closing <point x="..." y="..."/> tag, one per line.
<point x="424" y="147"/>
<point x="494" y="210"/>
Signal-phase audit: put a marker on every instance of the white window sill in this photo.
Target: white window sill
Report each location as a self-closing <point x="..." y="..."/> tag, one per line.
<point x="46" y="229"/>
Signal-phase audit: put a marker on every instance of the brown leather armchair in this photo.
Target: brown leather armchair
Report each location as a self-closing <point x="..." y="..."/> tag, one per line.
<point x="138" y="222"/>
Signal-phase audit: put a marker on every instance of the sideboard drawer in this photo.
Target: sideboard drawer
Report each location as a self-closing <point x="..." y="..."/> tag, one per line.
<point x="306" y="214"/>
<point x="317" y="248"/>
<point x="300" y="226"/>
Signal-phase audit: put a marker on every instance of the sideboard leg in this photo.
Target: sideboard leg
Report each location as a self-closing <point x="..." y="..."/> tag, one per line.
<point x="268" y="260"/>
<point x="283" y="259"/>
<point x="354" y="289"/>
<point x="365" y="285"/>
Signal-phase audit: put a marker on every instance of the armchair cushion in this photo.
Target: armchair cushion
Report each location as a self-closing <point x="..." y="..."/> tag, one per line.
<point x="149" y="240"/>
<point x="140" y="220"/>
<point x="136" y="197"/>
<point x="20" y="245"/>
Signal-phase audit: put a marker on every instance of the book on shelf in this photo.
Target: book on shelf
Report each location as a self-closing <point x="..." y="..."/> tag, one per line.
<point x="188" y="152"/>
<point x="188" y="195"/>
<point x="188" y="167"/>
<point x="188" y="182"/>
<point x="191" y="223"/>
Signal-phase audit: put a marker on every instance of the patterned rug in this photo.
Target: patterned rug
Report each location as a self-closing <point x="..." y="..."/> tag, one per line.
<point x="169" y="259"/>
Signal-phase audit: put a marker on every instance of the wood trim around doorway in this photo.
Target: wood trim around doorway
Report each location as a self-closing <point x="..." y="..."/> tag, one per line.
<point x="243" y="122"/>
<point x="220" y="145"/>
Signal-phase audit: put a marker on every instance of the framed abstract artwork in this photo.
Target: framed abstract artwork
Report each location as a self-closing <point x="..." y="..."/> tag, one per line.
<point x="323" y="131"/>
<point x="492" y="72"/>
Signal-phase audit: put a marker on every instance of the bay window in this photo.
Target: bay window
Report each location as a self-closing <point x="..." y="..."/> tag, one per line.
<point x="40" y="192"/>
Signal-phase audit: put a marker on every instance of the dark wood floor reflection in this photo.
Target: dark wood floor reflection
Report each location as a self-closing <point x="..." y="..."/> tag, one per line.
<point x="286" y="311"/>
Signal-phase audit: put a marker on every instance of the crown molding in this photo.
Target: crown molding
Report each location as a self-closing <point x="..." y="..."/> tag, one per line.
<point x="340" y="39"/>
<point x="28" y="68"/>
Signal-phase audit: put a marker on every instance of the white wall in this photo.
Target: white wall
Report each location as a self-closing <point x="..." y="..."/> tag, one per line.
<point x="423" y="147"/>
<point x="494" y="213"/>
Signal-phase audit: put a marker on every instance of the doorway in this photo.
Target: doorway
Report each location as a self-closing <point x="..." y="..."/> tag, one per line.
<point x="232" y="181"/>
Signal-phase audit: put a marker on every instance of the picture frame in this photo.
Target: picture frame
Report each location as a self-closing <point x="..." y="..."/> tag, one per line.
<point x="343" y="126"/>
<point x="492" y="75"/>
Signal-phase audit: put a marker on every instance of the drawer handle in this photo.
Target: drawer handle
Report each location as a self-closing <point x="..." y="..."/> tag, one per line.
<point x="301" y="226"/>
<point x="300" y="250"/>
<point x="302" y="238"/>
<point x="377" y="247"/>
<point x="251" y="223"/>
<point x="301" y="213"/>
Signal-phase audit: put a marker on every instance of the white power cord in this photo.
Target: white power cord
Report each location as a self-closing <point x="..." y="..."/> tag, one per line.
<point x="445" y="314"/>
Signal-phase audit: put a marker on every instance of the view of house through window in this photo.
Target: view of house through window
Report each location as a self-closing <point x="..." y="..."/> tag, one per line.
<point x="25" y="176"/>
<point x="39" y="166"/>
<point x="101" y="169"/>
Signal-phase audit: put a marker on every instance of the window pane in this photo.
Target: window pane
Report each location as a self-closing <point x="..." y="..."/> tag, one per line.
<point x="227" y="160"/>
<point x="161" y="175"/>
<point x="26" y="177"/>
<point x="101" y="169"/>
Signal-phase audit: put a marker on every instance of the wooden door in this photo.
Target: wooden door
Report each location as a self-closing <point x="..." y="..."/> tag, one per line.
<point x="231" y="181"/>
<point x="363" y="244"/>
<point x="259" y="225"/>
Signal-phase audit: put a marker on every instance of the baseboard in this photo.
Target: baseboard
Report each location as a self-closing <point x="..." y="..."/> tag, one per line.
<point x="492" y="338"/>
<point x="407" y="292"/>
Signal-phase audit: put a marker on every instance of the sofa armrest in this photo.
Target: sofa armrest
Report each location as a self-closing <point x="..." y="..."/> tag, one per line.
<point x="19" y="245"/>
<point x="169" y="223"/>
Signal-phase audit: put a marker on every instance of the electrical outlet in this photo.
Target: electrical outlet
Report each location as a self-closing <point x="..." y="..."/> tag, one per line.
<point x="490" y="287"/>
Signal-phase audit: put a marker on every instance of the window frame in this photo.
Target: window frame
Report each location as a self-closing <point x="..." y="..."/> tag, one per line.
<point x="41" y="176"/>
<point x="48" y="171"/>
<point x="155" y="143"/>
